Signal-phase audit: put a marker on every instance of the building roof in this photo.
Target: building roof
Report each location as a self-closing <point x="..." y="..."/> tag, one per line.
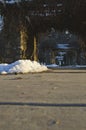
<point x="60" y="41"/>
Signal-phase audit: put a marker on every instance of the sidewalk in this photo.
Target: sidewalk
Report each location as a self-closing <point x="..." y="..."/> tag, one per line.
<point x="24" y="93"/>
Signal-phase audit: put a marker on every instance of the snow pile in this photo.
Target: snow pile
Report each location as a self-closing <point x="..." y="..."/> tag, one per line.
<point x="22" y="66"/>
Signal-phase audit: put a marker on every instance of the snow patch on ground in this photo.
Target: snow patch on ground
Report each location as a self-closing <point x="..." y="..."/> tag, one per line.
<point x="66" y="67"/>
<point x="22" y="66"/>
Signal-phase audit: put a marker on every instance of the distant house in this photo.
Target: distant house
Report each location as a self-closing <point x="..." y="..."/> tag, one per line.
<point x="61" y="48"/>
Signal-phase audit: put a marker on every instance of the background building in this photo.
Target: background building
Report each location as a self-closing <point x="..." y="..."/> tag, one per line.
<point x="22" y="22"/>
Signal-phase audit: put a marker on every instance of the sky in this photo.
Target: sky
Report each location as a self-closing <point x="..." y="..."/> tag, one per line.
<point x="12" y="1"/>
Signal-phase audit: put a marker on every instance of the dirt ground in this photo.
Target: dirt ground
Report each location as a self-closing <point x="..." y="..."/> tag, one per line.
<point x="54" y="100"/>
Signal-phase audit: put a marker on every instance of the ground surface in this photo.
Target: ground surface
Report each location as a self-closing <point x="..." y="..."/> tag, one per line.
<point x="47" y="95"/>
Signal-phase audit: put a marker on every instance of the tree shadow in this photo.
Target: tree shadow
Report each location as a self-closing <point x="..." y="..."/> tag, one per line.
<point x="37" y="104"/>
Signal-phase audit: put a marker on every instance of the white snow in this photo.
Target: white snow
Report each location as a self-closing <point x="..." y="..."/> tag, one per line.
<point x="53" y="65"/>
<point x="66" y="67"/>
<point x="22" y="66"/>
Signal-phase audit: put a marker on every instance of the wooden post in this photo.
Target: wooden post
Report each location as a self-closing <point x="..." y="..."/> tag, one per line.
<point x="35" y="49"/>
<point x="23" y="37"/>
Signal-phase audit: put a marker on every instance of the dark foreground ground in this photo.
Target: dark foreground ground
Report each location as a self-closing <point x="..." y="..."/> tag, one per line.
<point x="54" y="100"/>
